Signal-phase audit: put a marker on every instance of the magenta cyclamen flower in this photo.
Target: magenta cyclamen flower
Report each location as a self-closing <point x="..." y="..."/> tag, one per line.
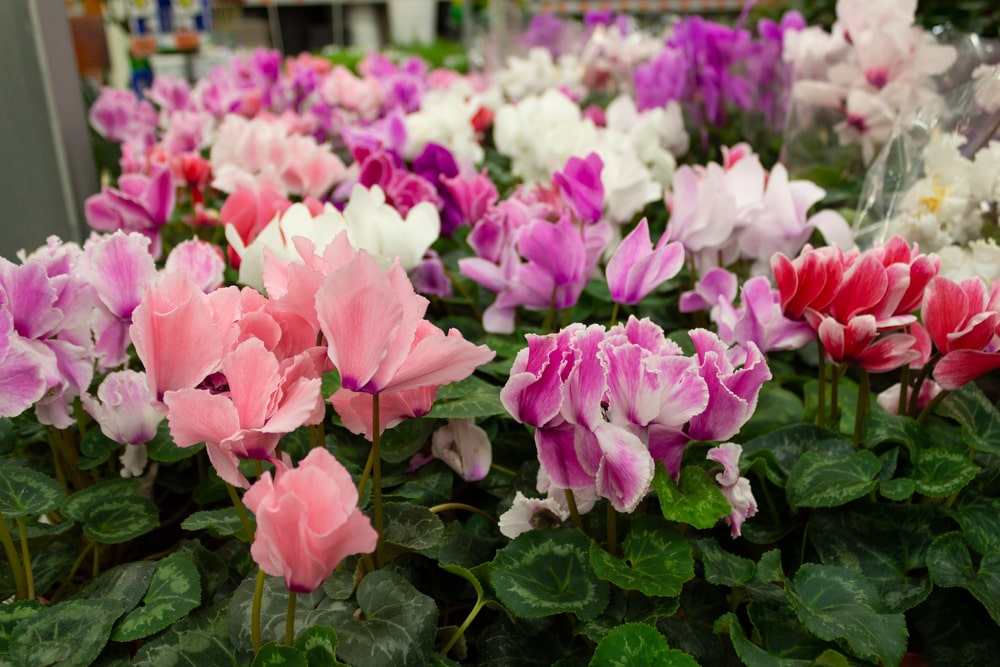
<point x="606" y="405"/>
<point x="141" y="204"/>
<point x="580" y="185"/>
<point x="636" y="268"/>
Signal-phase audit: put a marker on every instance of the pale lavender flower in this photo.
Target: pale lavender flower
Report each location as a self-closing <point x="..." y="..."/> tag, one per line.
<point x="636" y="268"/>
<point x="736" y="489"/>
<point x="124" y="408"/>
<point x="464" y="447"/>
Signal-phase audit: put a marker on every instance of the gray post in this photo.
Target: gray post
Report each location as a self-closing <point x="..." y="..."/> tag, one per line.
<point x="46" y="164"/>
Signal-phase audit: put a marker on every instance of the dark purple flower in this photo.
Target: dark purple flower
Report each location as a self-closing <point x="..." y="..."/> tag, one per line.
<point x="436" y="163"/>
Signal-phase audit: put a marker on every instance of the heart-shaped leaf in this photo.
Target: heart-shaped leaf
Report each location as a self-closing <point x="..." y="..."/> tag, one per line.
<point x="69" y="634"/>
<point x="638" y="644"/>
<point x="695" y="499"/>
<point x="112" y="511"/>
<point x="656" y="559"/>
<point x="820" y="480"/>
<point x="546" y="572"/>
<point x="175" y="589"/>
<point x="24" y="491"/>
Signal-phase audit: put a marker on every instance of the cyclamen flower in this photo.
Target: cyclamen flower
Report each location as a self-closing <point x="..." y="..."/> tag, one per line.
<point x="464" y="447"/>
<point x="636" y="268"/>
<point x="124" y="408"/>
<point x="607" y="404"/>
<point x="580" y="185"/>
<point x="376" y="335"/>
<point x="259" y="401"/>
<point x="307" y="521"/>
<point x="735" y="488"/>
<point x="141" y="204"/>
<point x="963" y="321"/>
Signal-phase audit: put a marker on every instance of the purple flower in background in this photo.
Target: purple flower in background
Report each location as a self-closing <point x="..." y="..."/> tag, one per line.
<point x="435" y="164"/>
<point x="140" y="204"/>
<point x="636" y="268"/>
<point x="473" y="197"/>
<point x="580" y="185"/>
<point x="430" y="278"/>
<point x="170" y="94"/>
<point x="546" y="31"/>
<point x="118" y="116"/>
<point x="661" y="80"/>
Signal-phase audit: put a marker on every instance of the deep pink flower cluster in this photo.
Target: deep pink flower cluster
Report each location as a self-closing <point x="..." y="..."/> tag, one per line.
<point x="608" y="404"/>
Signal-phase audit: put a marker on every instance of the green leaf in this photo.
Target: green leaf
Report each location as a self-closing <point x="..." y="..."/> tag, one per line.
<point x="818" y="480"/>
<point x="897" y="489"/>
<point x="174" y="591"/>
<point x="942" y="472"/>
<point x="412" y="526"/>
<point x="881" y="426"/>
<point x="112" y="511"/>
<point x="885" y="544"/>
<point x="695" y="500"/>
<point x="640" y="645"/>
<point x="546" y="572"/>
<point x="836" y="603"/>
<point x="69" y="634"/>
<point x="406" y="439"/>
<point x="979" y="419"/>
<point x="776" y="408"/>
<point x="24" y="491"/>
<point x="979" y="517"/>
<point x="748" y="652"/>
<point x="466" y="399"/>
<point x="397" y="627"/>
<point x="162" y="447"/>
<point x="430" y="486"/>
<point x="11" y="614"/>
<point x="95" y="449"/>
<point x="126" y="583"/>
<point x="273" y="654"/>
<point x="199" y="640"/>
<point x="319" y="644"/>
<point x="723" y="568"/>
<point x="656" y="559"/>
<point x="950" y="565"/>
<point x="8" y="441"/>
<point x="779" y="450"/>
<point x="219" y="523"/>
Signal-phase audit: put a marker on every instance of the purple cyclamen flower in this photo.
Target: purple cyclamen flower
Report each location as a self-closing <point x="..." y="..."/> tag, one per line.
<point x="170" y="94"/>
<point x="661" y="80"/>
<point x="580" y="185"/>
<point x="118" y="116"/>
<point x="473" y="197"/>
<point x="636" y="268"/>
<point x="429" y="276"/>
<point x="435" y="164"/>
<point x="23" y="381"/>
<point x="140" y="204"/>
<point x="546" y="31"/>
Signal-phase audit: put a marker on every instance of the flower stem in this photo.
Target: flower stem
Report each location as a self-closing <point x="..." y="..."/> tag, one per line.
<point x="932" y="406"/>
<point x="904" y="384"/>
<point x="290" y="619"/>
<point x="919" y="384"/>
<point x="258" y="596"/>
<point x="462" y="506"/>
<point x="550" y="314"/>
<point x="15" y="562"/>
<point x="864" y="404"/>
<point x="26" y="558"/>
<point x="317" y="435"/>
<point x="377" y="480"/>
<point x="241" y="512"/>
<point x="363" y="482"/>
<point x="835" y="394"/>
<point x="821" y="392"/>
<point x="501" y="469"/>
<point x="574" y="513"/>
<point x="462" y="628"/>
<point x="614" y="315"/>
<point x="612" y="530"/>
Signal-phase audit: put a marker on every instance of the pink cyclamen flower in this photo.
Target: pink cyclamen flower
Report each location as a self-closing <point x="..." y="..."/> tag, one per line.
<point x="581" y="187"/>
<point x="23" y="380"/>
<point x="736" y="489"/>
<point x="307" y="521"/>
<point x="377" y="337"/>
<point x="962" y="320"/>
<point x="201" y="261"/>
<point x="356" y="409"/>
<point x="464" y="447"/>
<point x="124" y="408"/>
<point x="265" y="400"/>
<point x="636" y="268"/>
<point x="474" y="196"/>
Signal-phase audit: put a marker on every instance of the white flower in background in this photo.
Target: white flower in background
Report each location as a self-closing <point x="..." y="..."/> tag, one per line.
<point x="628" y="184"/>
<point x="986" y="79"/>
<point x="984" y="177"/>
<point x="540" y="133"/>
<point x="444" y="118"/>
<point x="377" y="227"/>
<point x="656" y="135"/>
<point x="537" y="73"/>
<point x="977" y="258"/>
